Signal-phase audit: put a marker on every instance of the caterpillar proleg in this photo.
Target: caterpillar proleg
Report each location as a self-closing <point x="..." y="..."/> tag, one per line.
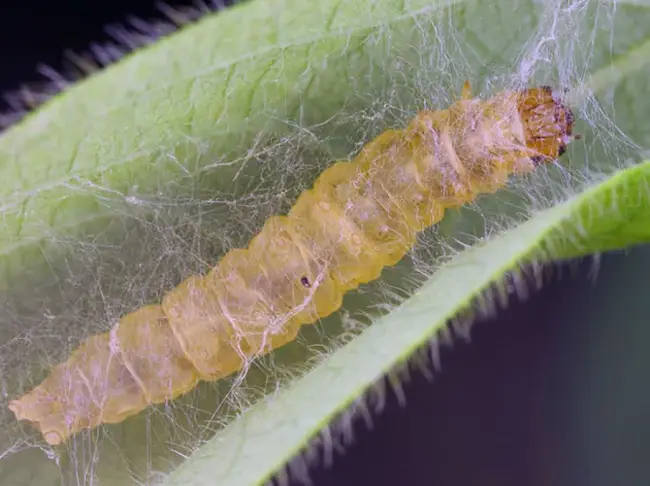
<point x="359" y="217"/>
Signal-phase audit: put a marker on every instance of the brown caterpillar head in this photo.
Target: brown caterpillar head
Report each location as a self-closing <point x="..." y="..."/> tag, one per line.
<point x="548" y="123"/>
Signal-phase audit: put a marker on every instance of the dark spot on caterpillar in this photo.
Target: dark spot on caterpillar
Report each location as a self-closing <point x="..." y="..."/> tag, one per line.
<point x="561" y="150"/>
<point x="305" y="282"/>
<point x="537" y="159"/>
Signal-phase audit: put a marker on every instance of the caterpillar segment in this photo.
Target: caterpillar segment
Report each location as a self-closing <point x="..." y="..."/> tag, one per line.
<point x="359" y="217"/>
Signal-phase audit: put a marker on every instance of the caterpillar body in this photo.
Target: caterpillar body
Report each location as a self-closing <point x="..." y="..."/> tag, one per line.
<point x="359" y="217"/>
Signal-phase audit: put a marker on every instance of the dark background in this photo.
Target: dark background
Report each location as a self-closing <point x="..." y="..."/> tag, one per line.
<point x="552" y="392"/>
<point x="39" y="32"/>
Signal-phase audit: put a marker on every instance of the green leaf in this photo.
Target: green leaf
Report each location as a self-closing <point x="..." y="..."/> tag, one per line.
<point x="181" y="117"/>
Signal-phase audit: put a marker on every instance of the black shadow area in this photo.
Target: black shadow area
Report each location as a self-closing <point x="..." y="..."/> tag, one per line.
<point x="39" y="32"/>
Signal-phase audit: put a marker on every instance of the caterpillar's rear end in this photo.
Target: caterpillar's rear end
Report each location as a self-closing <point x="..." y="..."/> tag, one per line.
<point x="110" y="377"/>
<point x="359" y="217"/>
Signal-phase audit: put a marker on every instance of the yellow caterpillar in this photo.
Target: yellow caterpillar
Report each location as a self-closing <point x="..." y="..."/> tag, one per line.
<point x="359" y="217"/>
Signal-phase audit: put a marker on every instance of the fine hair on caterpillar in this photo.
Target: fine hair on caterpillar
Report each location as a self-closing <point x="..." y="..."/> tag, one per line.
<point x="359" y="217"/>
